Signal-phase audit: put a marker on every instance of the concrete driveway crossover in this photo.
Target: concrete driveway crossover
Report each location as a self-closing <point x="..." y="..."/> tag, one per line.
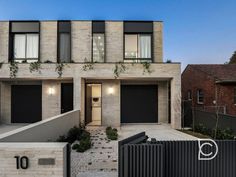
<point x="4" y="128"/>
<point x="160" y="132"/>
<point x="102" y="159"/>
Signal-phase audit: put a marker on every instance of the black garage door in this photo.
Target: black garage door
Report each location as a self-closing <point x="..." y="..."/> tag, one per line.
<point x="26" y="103"/>
<point x="139" y="104"/>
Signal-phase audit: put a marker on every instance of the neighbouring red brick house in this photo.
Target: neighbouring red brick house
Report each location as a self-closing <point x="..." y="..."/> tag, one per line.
<point x="210" y="85"/>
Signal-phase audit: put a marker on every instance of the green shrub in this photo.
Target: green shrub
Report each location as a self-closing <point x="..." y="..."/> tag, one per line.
<point x="112" y="136"/>
<point x="223" y="134"/>
<point x="84" y="145"/>
<point x="62" y="139"/>
<point x="74" y="134"/>
<point x="220" y="134"/>
<point x="84" y="135"/>
<point x="200" y="128"/>
<point x="80" y="134"/>
<point x="75" y="146"/>
<point x="112" y="133"/>
<point x="108" y="129"/>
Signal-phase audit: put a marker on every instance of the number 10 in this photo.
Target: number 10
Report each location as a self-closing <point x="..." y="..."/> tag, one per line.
<point x="22" y="162"/>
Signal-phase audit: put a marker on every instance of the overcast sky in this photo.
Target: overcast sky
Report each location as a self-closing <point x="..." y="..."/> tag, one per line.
<point x="195" y="31"/>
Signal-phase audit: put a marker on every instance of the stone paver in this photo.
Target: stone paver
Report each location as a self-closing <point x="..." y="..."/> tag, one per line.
<point x="101" y="159"/>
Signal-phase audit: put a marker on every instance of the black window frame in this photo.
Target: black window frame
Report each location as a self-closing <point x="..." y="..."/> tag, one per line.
<point x="198" y="95"/>
<point x="99" y="31"/>
<point x="12" y="39"/>
<point x="139" y="33"/>
<point x="58" y="40"/>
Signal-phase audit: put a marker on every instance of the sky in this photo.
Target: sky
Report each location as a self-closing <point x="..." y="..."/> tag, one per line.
<point x="195" y="31"/>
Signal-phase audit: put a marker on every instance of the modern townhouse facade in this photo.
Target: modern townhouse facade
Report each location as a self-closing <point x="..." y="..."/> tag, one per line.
<point x="112" y="71"/>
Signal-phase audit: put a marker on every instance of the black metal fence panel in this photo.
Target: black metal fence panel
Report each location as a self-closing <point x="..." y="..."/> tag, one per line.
<point x="142" y="160"/>
<point x="177" y="158"/>
<point x="181" y="159"/>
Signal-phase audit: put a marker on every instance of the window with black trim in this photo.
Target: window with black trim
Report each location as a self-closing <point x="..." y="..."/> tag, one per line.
<point x="98" y="41"/>
<point x="138" y="41"/>
<point x="24" y="41"/>
<point x="200" y="96"/>
<point x="138" y="46"/>
<point x="64" y="41"/>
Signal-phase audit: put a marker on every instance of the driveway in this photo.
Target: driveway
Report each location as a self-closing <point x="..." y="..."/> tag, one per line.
<point x="160" y="132"/>
<point x="102" y="159"/>
<point x="4" y="128"/>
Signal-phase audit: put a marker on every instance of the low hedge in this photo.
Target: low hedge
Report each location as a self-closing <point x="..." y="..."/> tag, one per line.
<point x="221" y="134"/>
<point x="111" y="133"/>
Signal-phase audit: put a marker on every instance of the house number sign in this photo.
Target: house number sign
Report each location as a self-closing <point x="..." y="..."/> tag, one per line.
<point x="22" y="162"/>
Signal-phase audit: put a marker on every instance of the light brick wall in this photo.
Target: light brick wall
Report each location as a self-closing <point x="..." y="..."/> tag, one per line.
<point x="4" y="38"/>
<point x="33" y="151"/>
<point x="176" y="101"/>
<point x="48" y="41"/>
<point x="81" y="40"/>
<point x="163" y="102"/>
<point x="111" y="103"/>
<point x="114" y="41"/>
<point x="103" y="72"/>
<point x="158" y="41"/>
<point x="51" y="104"/>
<point x="5" y="103"/>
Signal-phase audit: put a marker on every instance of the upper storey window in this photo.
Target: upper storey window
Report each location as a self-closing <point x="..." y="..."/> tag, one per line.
<point x="98" y="51"/>
<point x="64" y="41"/>
<point x="24" y="41"/>
<point x="138" y="41"/>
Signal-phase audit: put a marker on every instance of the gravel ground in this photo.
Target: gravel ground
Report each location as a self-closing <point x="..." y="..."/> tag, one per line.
<point x="100" y="161"/>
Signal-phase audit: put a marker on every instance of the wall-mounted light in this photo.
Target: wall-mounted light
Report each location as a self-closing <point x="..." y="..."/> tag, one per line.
<point x="110" y="90"/>
<point x="51" y="90"/>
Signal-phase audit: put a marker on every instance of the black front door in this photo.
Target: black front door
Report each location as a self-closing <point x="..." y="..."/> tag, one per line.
<point x="66" y="97"/>
<point x="139" y="104"/>
<point x="26" y="103"/>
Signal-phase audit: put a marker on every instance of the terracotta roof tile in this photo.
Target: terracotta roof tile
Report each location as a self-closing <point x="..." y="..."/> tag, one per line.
<point x="219" y="71"/>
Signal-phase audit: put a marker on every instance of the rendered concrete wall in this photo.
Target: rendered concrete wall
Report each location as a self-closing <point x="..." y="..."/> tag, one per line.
<point x="81" y="35"/>
<point x="48" y="41"/>
<point x="51" y="104"/>
<point x="4" y="38"/>
<point x="43" y="131"/>
<point x="114" y="41"/>
<point x="34" y="152"/>
<point x="158" y="41"/>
